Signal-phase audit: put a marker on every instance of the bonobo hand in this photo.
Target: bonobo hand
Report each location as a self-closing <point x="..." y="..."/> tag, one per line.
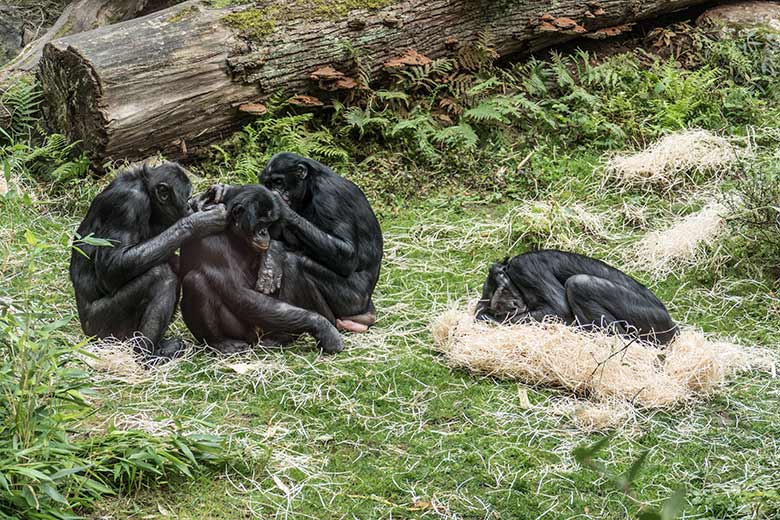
<point x="285" y="211"/>
<point x="329" y="340"/>
<point x="209" y="221"/>
<point x="213" y="195"/>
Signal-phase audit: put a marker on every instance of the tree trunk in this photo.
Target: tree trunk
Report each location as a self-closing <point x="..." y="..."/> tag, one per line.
<point x="79" y="16"/>
<point x="186" y="76"/>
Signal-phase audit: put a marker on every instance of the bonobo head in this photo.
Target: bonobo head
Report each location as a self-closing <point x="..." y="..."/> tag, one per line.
<point x="250" y="213"/>
<point x="169" y="191"/>
<point x="289" y="175"/>
<point x="507" y="301"/>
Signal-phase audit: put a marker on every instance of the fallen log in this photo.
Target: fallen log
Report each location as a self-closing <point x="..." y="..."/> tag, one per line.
<point x="188" y="75"/>
<point x="79" y="16"/>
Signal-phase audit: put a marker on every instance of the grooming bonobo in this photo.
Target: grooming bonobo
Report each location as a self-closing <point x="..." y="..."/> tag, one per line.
<point x="220" y="304"/>
<point x="129" y="290"/>
<point x="331" y="242"/>
<point x="577" y="289"/>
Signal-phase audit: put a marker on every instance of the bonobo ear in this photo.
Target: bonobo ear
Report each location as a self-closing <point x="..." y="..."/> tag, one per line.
<point x="162" y="191"/>
<point x="302" y="171"/>
<point x="237" y="211"/>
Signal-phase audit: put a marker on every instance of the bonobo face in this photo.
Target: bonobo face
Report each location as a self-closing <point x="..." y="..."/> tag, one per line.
<point x="288" y="175"/>
<point x="169" y="191"/>
<point x="251" y="212"/>
<point x="507" y="301"/>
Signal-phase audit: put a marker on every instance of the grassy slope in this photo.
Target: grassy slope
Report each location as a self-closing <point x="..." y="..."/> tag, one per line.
<point x="387" y="430"/>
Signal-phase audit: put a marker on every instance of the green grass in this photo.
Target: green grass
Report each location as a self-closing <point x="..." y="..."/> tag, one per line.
<point x="385" y="429"/>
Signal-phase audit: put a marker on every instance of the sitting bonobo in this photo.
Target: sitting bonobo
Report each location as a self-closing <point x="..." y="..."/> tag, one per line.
<point x="330" y="241"/>
<point x="129" y="290"/>
<point x="220" y="303"/>
<point x="577" y="289"/>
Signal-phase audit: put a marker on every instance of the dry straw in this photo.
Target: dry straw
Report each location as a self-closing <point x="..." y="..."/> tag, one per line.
<point x="680" y="244"/>
<point x="673" y="160"/>
<point x="594" y="365"/>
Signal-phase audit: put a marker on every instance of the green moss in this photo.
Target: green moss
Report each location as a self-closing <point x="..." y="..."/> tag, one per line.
<point x="254" y="23"/>
<point x="183" y="14"/>
<point x="300" y="9"/>
<point x="340" y="8"/>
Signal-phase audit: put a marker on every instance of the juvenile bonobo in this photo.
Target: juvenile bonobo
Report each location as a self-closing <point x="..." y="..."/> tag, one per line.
<point x="220" y="304"/>
<point x="332" y="240"/>
<point x="130" y="290"/>
<point x="577" y="289"/>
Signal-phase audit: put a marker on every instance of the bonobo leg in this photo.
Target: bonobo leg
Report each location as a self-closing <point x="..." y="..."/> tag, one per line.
<point x="602" y="303"/>
<point x="143" y="309"/>
<point x="209" y="320"/>
<point x="344" y="301"/>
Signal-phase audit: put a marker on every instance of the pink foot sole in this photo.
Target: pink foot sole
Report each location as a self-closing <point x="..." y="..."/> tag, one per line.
<point x="351" y="326"/>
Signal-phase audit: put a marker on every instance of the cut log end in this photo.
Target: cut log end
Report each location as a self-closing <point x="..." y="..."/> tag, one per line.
<point x="72" y="92"/>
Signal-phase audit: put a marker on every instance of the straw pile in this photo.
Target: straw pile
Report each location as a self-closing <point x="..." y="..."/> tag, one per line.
<point x="594" y="365"/>
<point x="673" y="160"/>
<point x="682" y="243"/>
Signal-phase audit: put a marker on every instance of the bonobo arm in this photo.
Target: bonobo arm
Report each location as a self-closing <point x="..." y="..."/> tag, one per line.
<point x="483" y="305"/>
<point x="337" y="254"/>
<point x="115" y="266"/>
<point x="544" y="294"/>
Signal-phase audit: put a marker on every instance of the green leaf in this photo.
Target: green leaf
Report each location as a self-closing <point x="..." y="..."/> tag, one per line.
<point x="627" y="478"/>
<point x="674" y="505"/>
<point x="52" y="493"/>
<point x="95" y="241"/>
<point x="584" y="454"/>
<point x="31" y="473"/>
<point x="30" y="237"/>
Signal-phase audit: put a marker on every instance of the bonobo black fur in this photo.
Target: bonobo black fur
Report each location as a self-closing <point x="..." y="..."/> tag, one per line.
<point x="130" y="290"/>
<point x="579" y="290"/>
<point x="220" y="304"/>
<point x="331" y="235"/>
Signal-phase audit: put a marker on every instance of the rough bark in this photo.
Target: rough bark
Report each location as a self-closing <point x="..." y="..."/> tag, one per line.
<point x="180" y="77"/>
<point x="80" y="16"/>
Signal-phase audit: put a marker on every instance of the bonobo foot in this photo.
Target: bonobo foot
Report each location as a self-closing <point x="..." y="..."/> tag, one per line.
<point x="165" y="351"/>
<point x="357" y="323"/>
<point x="231" y="346"/>
<point x="330" y="340"/>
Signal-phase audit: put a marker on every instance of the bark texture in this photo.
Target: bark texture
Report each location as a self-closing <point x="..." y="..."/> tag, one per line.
<point x="80" y="16"/>
<point x="186" y="76"/>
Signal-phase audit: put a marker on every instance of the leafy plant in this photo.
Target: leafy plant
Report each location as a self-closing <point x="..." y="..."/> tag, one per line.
<point x="586" y="457"/>
<point x="45" y="473"/>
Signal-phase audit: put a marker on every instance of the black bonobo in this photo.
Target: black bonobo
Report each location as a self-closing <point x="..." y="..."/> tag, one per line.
<point x="219" y="273"/>
<point x="577" y="289"/>
<point x="130" y="290"/>
<point x="332" y="242"/>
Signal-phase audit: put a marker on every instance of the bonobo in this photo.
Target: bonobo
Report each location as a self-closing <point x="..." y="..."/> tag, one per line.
<point x="577" y="289"/>
<point x="333" y="242"/>
<point x="220" y="304"/>
<point x="129" y="290"/>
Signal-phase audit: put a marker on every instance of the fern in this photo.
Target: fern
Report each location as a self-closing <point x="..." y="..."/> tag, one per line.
<point x="461" y="135"/>
<point x="20" y="105"/>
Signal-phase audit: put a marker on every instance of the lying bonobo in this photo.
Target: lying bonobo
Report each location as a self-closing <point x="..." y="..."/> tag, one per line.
<point x="220" y="303"/>
<point x="129" y="290"/>
<point x="577" y="289"/>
